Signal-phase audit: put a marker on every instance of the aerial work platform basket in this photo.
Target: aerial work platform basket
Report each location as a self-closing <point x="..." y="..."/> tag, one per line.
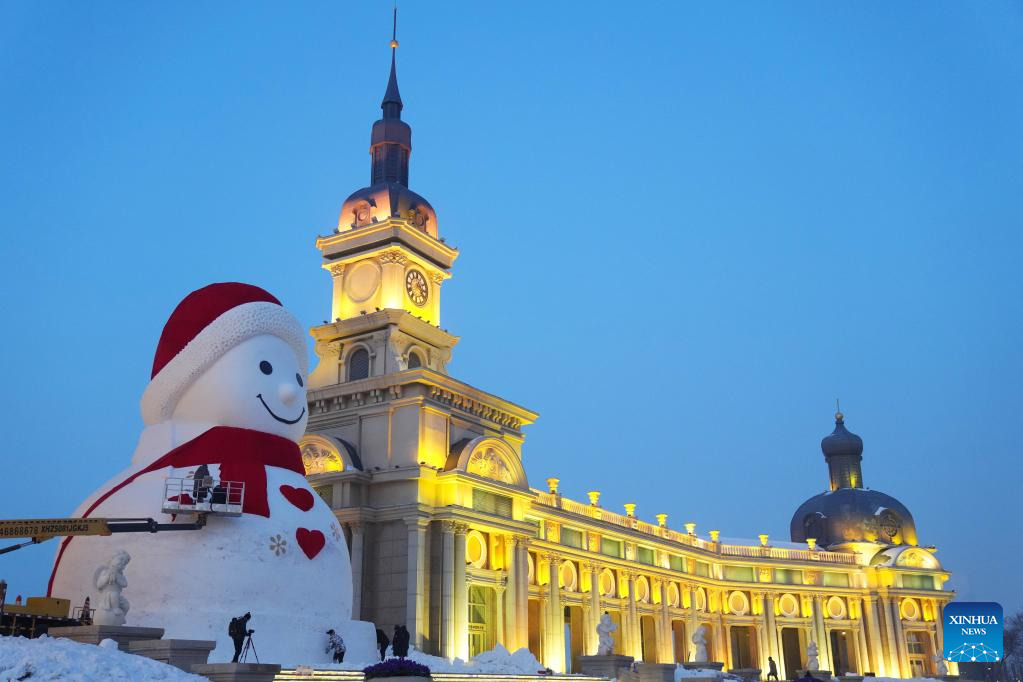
<point x="203" y="496"/>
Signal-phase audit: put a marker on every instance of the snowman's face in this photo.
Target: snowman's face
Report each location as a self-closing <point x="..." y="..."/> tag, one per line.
<point x="256" y="385"/>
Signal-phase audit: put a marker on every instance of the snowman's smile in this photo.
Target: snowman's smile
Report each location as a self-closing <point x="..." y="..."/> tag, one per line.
<point x="280" y="419"/>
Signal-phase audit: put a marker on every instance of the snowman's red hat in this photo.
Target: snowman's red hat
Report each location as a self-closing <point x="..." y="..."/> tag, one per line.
<point x="205" y="325"/>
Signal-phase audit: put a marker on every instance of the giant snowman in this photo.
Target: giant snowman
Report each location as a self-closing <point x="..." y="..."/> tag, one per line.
<point x="228" y="392"/>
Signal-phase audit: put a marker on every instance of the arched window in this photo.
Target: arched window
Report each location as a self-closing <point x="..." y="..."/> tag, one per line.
<point x="358" y="365"/>
<point x="414" y="360"/>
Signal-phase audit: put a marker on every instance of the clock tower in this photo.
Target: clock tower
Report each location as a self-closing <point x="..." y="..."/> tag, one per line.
<point x="387" y="262"/>
<point x="400" y="449"/>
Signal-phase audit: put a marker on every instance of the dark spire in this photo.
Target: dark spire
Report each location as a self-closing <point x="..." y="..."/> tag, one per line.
<point x="843" y="451"/>
<point x="392" y="98"/>
<point x="391" y="141"/>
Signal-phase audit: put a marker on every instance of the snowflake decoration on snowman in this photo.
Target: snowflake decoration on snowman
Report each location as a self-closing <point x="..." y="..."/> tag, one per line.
<point x="227" y="394"/>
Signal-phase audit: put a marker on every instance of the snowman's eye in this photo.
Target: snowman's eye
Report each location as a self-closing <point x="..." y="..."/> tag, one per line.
<point x="298" y="378"/>
<point x="265" y="367"/>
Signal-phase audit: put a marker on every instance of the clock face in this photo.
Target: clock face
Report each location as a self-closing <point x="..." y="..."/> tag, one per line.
<point x="415" y="286"/>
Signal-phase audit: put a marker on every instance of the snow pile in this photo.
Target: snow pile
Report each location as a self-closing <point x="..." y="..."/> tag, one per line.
<point x="497" y="661"/>
<point x="49" y="658"/>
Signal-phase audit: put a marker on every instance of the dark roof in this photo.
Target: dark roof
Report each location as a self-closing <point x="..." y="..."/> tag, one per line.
<point x="392" y="96"/>
<point x="852" y="515"/>
<point x="841" y="441"/>
<point x="353" y="454"/>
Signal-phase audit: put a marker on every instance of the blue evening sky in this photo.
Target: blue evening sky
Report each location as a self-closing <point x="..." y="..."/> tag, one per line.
<point x="685" y="229"/>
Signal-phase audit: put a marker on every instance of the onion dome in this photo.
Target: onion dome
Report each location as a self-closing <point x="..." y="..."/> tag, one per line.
<point x="848" y="512"/>
<point x="842" y="442"/>
<point x="843" y="452"/>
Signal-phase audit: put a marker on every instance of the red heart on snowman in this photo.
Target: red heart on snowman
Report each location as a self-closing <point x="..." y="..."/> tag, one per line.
<point x="311" y="541"/>
<point x="300" y="497"/>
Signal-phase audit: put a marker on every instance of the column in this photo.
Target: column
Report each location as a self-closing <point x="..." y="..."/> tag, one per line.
<point x="499" y="589"/>
<point x="511" y="607"/>
<point x="875" y="663"/>
<point x="692" y="623"/>
<point x="723" y="641"/>
<point x="772" y="630"/>
<point x="447" y="590"/>
<point x="862" y="659"/>
<point x="762" y="647"/>
<point x="664" y="640"/>
<point x="556" y="618"/>
<point x="522" y="556"/>
<point x="595" y="613"/>
<point x="635" y="649"/>
<point x="357" y="559"/>
<point x="939" y="621"/>
<point x="461" y="601"/>
<point x="901" y="650"/>
<point x="892" y="661"/>
<point x="823" y="646"/>
<point x="861" y="649"/>
<point x="415" y="580"/>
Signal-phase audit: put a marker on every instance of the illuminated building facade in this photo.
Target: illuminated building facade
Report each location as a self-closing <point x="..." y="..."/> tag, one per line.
<point x="447" y="537"/>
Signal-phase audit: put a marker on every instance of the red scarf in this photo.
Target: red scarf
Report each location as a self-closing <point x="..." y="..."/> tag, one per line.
<point x="242" y="454"/>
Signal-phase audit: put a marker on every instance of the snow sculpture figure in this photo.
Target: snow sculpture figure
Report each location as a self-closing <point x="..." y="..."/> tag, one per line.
<point x="228" y="393"/>
<point x="940" y="665"/>
<point x="812" y="662"/>
<point x="700" y="644"/>
<point x="605" y="643"/>
<point x="109" y="580"/>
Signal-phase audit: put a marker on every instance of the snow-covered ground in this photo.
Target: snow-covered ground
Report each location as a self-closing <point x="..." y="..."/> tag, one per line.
<point x="496" y="661"/>
<point x="681" y="674"/>
<point x="52" y="658"/>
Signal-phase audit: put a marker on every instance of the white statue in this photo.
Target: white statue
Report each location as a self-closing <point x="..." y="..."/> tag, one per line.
<point x="940" y="665"/>
<point x="700" y="644"/>
<point x="812" y="662"/>
<point x="605" y="643"/>
<point x="109" y="580"/>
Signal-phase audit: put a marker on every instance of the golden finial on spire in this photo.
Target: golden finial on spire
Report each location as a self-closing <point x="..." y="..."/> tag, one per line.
<point x="838" y="412"/>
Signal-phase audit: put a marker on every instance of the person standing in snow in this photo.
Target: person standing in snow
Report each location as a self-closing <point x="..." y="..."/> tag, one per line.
<point x="400" y="641"/>
<point x="382" y="643"/>
<point x="336" y="644"/>
<point x="772" y="669"/>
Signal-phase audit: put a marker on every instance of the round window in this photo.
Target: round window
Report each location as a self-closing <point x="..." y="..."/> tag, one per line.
<point x="738" y="603"/>
<point x="836" y="608"/>
<point x="673" y="595"/>
<point x="910" y="610"/>
<point x="569" y="576"/>
<point x="701" y="599"/>
<point x="788" y="605"/>
<point x="642" y="590"/>
<point x="476" y="549"/>
<point x="607" y="582"/>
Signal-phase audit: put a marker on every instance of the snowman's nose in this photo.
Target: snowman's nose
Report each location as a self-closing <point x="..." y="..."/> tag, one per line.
<point x="287" y="393"/>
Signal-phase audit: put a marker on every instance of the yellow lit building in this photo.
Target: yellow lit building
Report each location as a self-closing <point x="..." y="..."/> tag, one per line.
<point x="448" y="537"/>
